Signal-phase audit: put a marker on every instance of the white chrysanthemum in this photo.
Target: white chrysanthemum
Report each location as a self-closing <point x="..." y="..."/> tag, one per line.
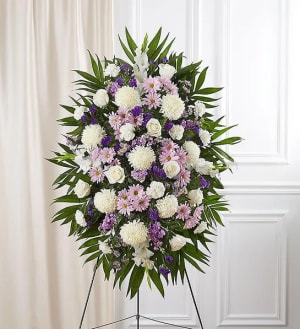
<point x="200" y="228"/>
<point x="172" y="107"/>
<point x="79" y="217"/>
<point x="127" y="98"/>
<point x="104" y="247"/>
<point x="156" y="190"/>
<point x="177" y="242"/>
<point x="195" y="197"/>
<point x="92" y="135"/>
<point x="111" y="70"/>
<point x="167" y="206"/>
<point x="134" y="233"/>
<point x="141" y="157"/>
<point x="205" y="137"/>
<point x="106" y="201"/>
<point x="193" y="151"/>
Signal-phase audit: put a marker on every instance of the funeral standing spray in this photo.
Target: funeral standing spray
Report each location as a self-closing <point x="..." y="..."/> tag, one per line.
<point x="142" y="164"/>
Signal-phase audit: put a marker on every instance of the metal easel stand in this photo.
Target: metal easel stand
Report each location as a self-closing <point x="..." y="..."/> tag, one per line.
<point x="138" y="316"/>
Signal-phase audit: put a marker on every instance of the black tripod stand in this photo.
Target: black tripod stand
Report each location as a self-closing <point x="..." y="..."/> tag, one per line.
<point x="138" y="316"/>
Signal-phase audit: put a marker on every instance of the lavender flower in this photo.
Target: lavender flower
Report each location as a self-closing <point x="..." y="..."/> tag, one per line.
<point x="125" y="68"/>
<point x="113" y="88"/>
<point x="93" y="109"/>
<point x="83" y="118"/>
<point x="147" y="117"/>
<point x="108" y="222"/>
<point x="156" y="234"/>
<point x="93" y="120"/>
<point x="139" y="175"/>
<point x="119" y="81"/>
<point x="153" y="214"/>
<point x="169" y="259"/>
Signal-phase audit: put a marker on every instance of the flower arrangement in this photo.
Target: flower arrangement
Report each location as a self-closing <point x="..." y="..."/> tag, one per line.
<point x="142" y="165"/>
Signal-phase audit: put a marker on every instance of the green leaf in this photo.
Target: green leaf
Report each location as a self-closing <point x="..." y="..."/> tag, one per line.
<point x="229" y="140"/>
<point x="201" y="79"/>
<point x="135" y="280"/>
<point x="153" y="43"/>
<point x="207" y="91"/>
<point x="131" y="43"/>
<point x="126" y="50"/>
<point x="87" y="76"/>
<point x="94" y="66"/>
<point x="155" y="277"/>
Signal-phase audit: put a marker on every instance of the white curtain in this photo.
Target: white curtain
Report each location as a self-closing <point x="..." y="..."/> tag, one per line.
<point x="43" y="283"/>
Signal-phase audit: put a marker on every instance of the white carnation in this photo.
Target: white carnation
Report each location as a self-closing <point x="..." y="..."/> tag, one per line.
<point x="82" y="189"/>
<point x="127" y="132"/>
<point x="176" y="132"/>
<point x="205" y="137"/>
<point x="172" y="107"/>
<point x="171" y="168"/>
<point x="177" y="242"/>
<point x="167" y="206"/>
<point x="106" y="201"/>
<point x="154" y="127"/>
<point x="101" y="98"/>
<point x="104" y="247"/>
<point x="127" y="98"/>
<point x="199" y="109"/>
<point x="166" y="70"/>
<point x="156" y="190"/>
<point x="141" y="157"/>
<point x="134" y="233"/>
<point x="112" y="70"/>
<point x="79" y="217"/>
<point x="92" y="135"/>
<point x="115" y="174"/>
<point x="200" y="228"/>
<point x="195" y="197"/>
<point x="193" y="152"/>
<point x="78" y="113"/>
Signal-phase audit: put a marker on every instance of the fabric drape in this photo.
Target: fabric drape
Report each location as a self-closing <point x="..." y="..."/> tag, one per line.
<point x="43" y="282"/>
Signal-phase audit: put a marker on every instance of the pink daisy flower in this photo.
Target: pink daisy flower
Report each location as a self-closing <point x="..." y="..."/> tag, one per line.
<point x="114" y="121"/>
<point x="123" y="115"/>
<point x="124" y="207"/>
<point x="136" y="192"/>
<point x="182" y="156"/>
<point x="183" y="211"/>
<point x="95" y="153"/>
<point x="96" y="174"/>
<point x="191" y="222"/>
<point x="167" y="156"/>
<point x="152" y="100"/>
<point x="136" y="121"/>
<point x="171" y="88"/>
<point x="184" y="177"/>
<point x="141" y="204"/>
<point x="164" y="80"/>
<point x="169" y="145"/>
<point x="123" y="194"/>
<point x="198" y="212"/>
<point x="151" y="84"/>
<point x="107" y="154"/>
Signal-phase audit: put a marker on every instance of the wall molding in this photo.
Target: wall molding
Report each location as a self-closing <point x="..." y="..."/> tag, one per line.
<point x="278" y="317"/>
<point x="262" y="189"/>
<point x="280" y="156"/>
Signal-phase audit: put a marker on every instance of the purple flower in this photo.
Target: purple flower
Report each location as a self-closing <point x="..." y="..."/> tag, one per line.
<point x="89" y="223"/>
<point x="93" y="109"/>
<point x="169" y="259"/>
<point x="156" y="234"/>
<point x="117" y="147"/>
<point x="158" y="172"/>
<point x="136" y="111"/>
<point x="153" y="214"/>
<point x="125" y="68"/>
<point x="93" y="120"/>
<point x="83" y="119"/>
<point x="204" y="183"/>
<point x="165" y="60"/>
<point x="119" y="81"/>
<point x="132" y="83"/>
<point x="113" y="88"/>
<point x="105" y="141"/>
<point x="196" y="129"/>
<point x="168" y="125"/>
<point x="164" y="270"/>
<point x="147" y="117"/>
<point x="139" y="175"/>
<point x="108" y="222"/>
